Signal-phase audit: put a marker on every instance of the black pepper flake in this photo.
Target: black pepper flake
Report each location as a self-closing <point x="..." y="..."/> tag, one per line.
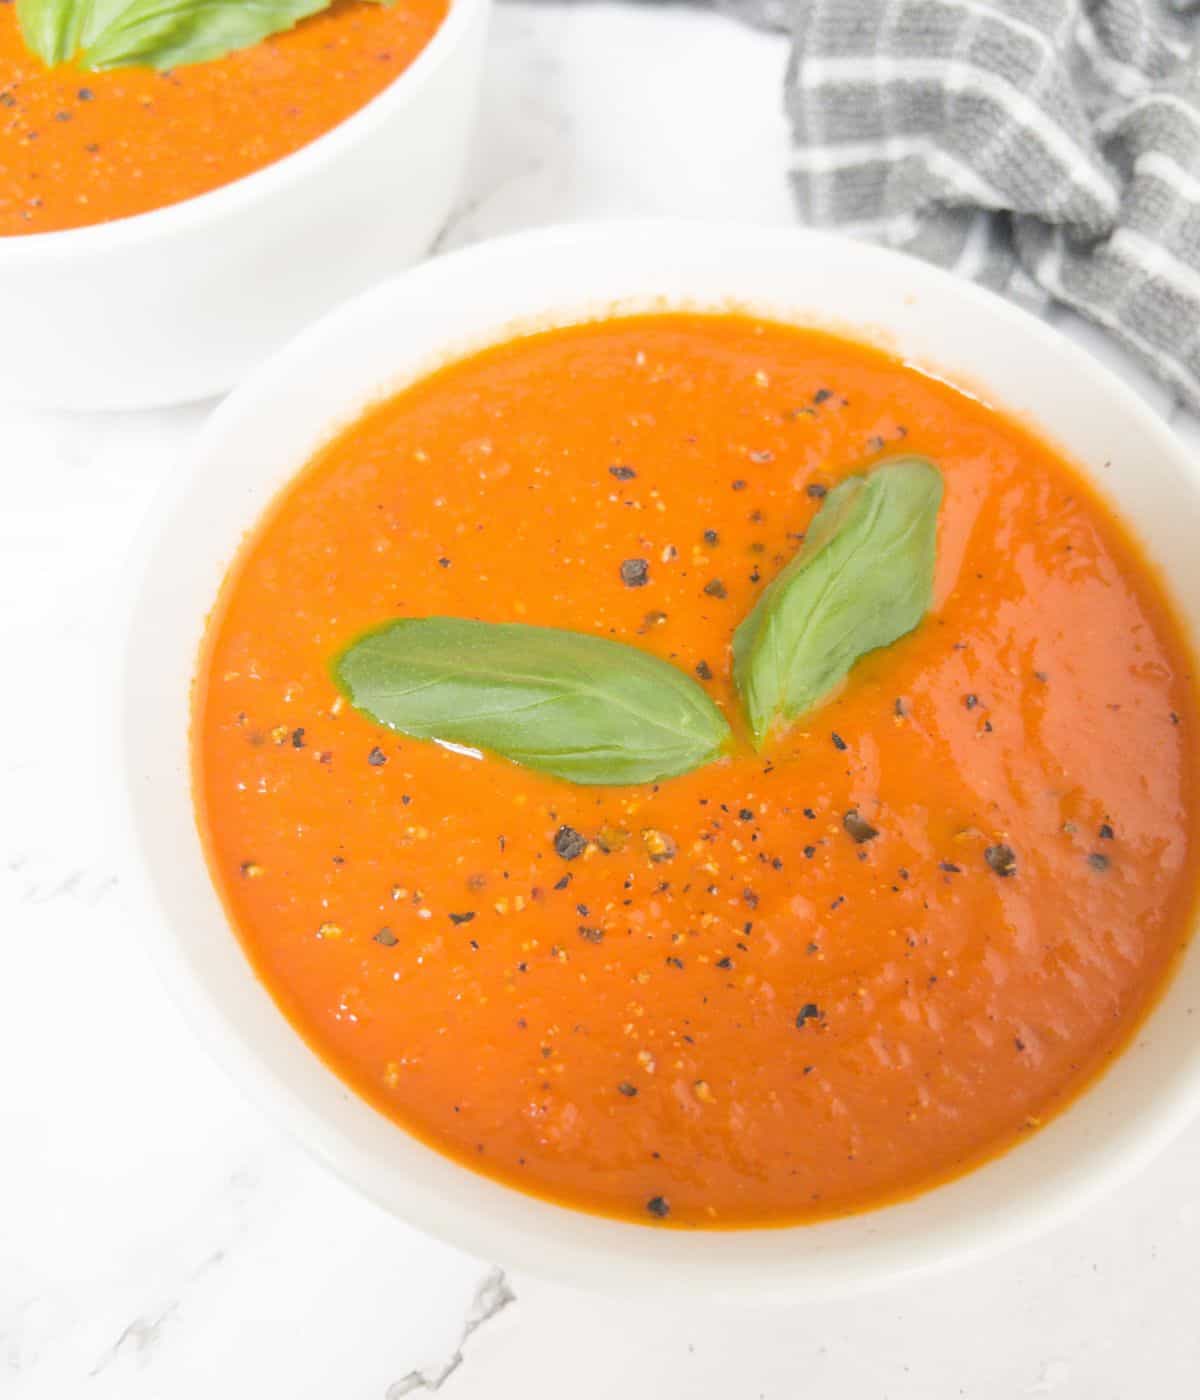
<point x="838" y="742"/>
<point x="444" y="562"/>
<point x="970" y="701"/>
<point x="745" y="815"/>
<point x="810" y="1011"/>
<point x="1098" y="861"/>
<point x="464" y="918"/>
<point x="809" y="852"/>
<point x="1001" y="859"/>
<point x="86" y="95"/>
<point x="704" y="670"/>
<point x="628" y="1089"/>
<point x="386" y="937"/>
<point x="810" y="814"/>
<point x="297" y="738"/>
<point x="635" y="573"/>
<point x="750" y="899"/>
<point x="657" y="1206"/>
<point x="568" y="843"/>
<point x="898" y="708"/>
<point x="1106" y="832"/>
<point x="622" y="472"/>
<point x="590" y="933"/>
<point x="949" y="867"/>
<point x="1174" y="717"/>
<point x="377" y="758"/>
<point x="816" y="490"/>
<point x="858" y="827"/>
<point x="822" y="394"/>
<point x="1018" y="1042"/>
<point x="738" y="485"/>
<point x="724" y="964"/>
<point x="711" y="537"/>
<point x="675" y="962"/>
<point x="715" y="588"/>
<point x="1041" y="676"/>
<point x="563" y="883"/>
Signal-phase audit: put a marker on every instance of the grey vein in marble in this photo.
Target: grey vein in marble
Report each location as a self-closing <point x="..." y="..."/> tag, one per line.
<point x="140" y="1338"/>
<point x="492" y="1296"/>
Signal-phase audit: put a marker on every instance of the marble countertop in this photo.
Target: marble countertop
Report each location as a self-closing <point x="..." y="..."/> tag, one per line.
<point x="158" y="1239"/>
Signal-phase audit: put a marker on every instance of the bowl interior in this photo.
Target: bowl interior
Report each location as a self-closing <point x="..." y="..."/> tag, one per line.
<point x="267" y="430"/>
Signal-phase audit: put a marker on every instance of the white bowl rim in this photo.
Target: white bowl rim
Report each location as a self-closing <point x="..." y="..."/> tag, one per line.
<point x="1128" y="1148"/>
<point x="227" y="200"/>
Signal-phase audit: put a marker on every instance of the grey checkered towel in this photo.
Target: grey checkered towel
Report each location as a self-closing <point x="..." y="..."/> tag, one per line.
<point x="1050" y="148"/>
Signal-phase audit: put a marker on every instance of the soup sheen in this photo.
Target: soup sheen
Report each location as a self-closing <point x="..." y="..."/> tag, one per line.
<point x="736" y="1014"/>
<point x="83" y="148"/>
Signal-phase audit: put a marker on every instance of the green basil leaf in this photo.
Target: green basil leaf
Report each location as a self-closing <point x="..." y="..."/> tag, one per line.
<point x="51" y="28"/>
<point x="863" y="578"/>
<point x="171" y="33"/>
<point x="153" y="33"/>
<point x="583" y="708"/>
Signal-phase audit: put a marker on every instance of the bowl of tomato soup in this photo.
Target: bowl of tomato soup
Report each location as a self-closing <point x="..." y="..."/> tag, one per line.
<point x="161" y="231"/>
<point x="896" y="977"/>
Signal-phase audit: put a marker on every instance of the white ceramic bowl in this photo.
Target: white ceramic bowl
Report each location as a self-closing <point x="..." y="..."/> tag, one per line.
<point x="270" y="426"/>
<point x="178" y="303"/>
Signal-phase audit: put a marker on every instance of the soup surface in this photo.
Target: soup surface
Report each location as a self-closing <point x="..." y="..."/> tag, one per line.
<point x="83" y="148"/>
<point x="723" y="1010"/>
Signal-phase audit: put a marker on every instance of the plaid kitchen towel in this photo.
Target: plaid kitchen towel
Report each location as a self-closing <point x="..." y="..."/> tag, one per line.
<point x="1048" y="148"/>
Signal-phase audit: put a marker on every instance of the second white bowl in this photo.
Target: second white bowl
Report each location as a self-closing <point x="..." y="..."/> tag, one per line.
<point x="178" y="303"/>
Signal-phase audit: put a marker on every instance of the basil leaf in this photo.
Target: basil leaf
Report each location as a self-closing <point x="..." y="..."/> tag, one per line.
<point x="153" y="33"/>
<point x="51" y="28"/>
<point x="863" y="578"/>
<point x="580" y="707"/>
<point x="170" y="33"/>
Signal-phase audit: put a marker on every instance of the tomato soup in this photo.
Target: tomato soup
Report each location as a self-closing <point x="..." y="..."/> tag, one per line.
<point x="83" y="148"/>
<point x="796" y="982"/>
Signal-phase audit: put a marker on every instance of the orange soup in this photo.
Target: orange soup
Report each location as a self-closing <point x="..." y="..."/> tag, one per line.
<point x="795" y="982"/>
<point x="83" y="148"/>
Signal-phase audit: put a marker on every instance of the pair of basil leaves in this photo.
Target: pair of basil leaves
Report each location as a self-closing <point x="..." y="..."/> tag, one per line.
<point x="100" y="34"/>
<point x="595" y="711"/>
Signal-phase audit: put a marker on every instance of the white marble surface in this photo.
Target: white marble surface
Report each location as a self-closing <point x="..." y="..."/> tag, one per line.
<point x="158" y="1239"/>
